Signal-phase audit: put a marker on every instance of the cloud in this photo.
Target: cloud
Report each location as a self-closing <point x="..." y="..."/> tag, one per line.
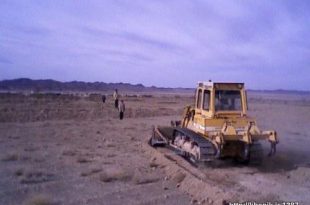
<point x="165" y="43"/>
<point x="130" y="36"/>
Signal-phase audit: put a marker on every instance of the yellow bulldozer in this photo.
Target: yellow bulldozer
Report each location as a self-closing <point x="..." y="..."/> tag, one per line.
<point x="216" y="126"/>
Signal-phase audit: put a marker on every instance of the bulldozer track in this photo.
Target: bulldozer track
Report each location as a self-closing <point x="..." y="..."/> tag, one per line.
<point x="207" y="150"/>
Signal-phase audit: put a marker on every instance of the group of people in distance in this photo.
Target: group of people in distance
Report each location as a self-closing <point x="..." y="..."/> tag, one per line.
<point x="119" y="104"/>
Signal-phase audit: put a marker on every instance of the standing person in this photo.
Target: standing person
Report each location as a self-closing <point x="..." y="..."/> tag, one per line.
<point x="121" y="109"/>
<point x="103" y="98"/>
<point x="115" y="96"/>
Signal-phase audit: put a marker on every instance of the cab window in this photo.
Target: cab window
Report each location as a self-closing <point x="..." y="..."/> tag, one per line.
<point x="198" y="105"/>
<point x="206" y="99"/>
<point x="228" y="100"/>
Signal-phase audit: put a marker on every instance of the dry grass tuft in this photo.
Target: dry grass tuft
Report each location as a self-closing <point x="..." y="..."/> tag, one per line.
<point x="34" y="177"/>
<point x="19" y="172"/>
<point x="91" y="172"/>
<point x="69" y="153"/>
<point x="111" y="155"/>
<point x="110" y="145"/>
<point x="25" y="158"/>
<point x="39" y="160"/>
<point x="39" y="200"/>
<point x="116" y="174"/>
<point x="31" y="149"/>
<point x="153" y="164"/>
<point x="10" y="157"/>
<point x="147" y="180"/>
<point x="83" y="160"/>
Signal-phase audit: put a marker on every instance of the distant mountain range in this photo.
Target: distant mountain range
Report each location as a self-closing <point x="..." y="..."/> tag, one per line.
<point x="25" y="84"/>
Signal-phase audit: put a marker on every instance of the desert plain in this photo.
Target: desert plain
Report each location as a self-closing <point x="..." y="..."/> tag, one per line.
<point x="65" y="148"/>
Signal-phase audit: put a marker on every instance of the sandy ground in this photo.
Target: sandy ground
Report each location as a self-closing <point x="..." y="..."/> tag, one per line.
<point x="63" y="149"/>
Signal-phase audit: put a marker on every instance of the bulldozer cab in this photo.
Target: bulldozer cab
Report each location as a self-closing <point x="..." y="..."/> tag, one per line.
<point x="220" y="99"/>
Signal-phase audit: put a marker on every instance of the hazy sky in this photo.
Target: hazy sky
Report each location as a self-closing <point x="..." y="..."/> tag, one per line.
<point x="174" y="43"/>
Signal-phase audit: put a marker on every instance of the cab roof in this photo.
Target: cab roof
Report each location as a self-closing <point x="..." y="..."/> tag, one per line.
<point x="221" y="85"/>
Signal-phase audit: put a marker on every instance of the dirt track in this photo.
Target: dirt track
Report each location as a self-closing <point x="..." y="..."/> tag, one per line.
<point x="74" y="150"/>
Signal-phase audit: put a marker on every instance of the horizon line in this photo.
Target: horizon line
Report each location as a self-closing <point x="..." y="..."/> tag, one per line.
<point x="154" y="86"/>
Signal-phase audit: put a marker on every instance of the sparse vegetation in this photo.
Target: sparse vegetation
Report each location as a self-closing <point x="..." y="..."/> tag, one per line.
<point x="153" y="164"/>
<point x="10" y="157"/>
<point x="115" y="175"/>
<point x="83" y="160"/>
<point x="91" y="172"/>
<point x="19" y="172"/>
<point x="33" y="177"/>
<point x="147" y="96"/>
<point x="69" y="153"/>
<point x="119" y="162"/>
<point x="111" y="155"/>
<point x="39" y="199"/>
<point x="110" y="145"/>
<point x="30" y="149"/>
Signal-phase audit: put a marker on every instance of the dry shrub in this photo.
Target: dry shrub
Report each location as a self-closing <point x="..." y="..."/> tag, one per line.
<point x="10" y="157"/>
<point x="147" y="180"/>
<point x="25" y="158"/>
<point x="90" y="172"/>
<point x="153" y="164"/>
<point x="115" y="174"/>
<point x="19" y="172"/>
<point x="30" y="149"/>
<point x="110" y="145"/>
<point x="39" y="160"/>
<point x="14" y="137"/>
<point x="83" y="160"/>
<point x="111" y="155"/>
<point x="85" y="174"/>
<point x="69" y="153"/>
<point x="39" y="200"/>
<point x="147" y="96"/>
<point x="34" y="177"/>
